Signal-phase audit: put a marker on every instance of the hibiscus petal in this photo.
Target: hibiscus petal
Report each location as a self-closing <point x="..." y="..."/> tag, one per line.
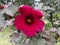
<point x="39" y="25"/>
<point x="29" y="31"/>
<point x="37" y="13"/>
<point x="19" y="20"/>
<point x="25" y="9"/>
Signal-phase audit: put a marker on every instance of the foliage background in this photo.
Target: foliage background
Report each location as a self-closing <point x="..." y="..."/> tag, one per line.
<point x="51" y="9"/>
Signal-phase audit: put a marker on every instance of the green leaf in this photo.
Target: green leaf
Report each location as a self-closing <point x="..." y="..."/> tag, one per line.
<point x="47" y="24"/>
<point x="58" y="31"/>
<point x="49" y="43"/>
<point x="31" y="42"/>
<point x="41" y="42"/>
<point x="53" y="40"/>
<point x="27" y="41"/>
<point x="1" y="24"/>
<point x="2" y="21"/>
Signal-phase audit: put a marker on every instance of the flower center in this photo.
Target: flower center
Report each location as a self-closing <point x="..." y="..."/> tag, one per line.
<point x="29" y="20"/>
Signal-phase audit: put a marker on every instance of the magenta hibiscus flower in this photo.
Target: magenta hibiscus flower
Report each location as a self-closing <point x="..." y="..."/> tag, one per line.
<point x="29" y="21"/>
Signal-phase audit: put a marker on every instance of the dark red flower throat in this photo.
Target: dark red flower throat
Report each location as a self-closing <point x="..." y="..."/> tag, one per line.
<point x="29" y="19"/>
